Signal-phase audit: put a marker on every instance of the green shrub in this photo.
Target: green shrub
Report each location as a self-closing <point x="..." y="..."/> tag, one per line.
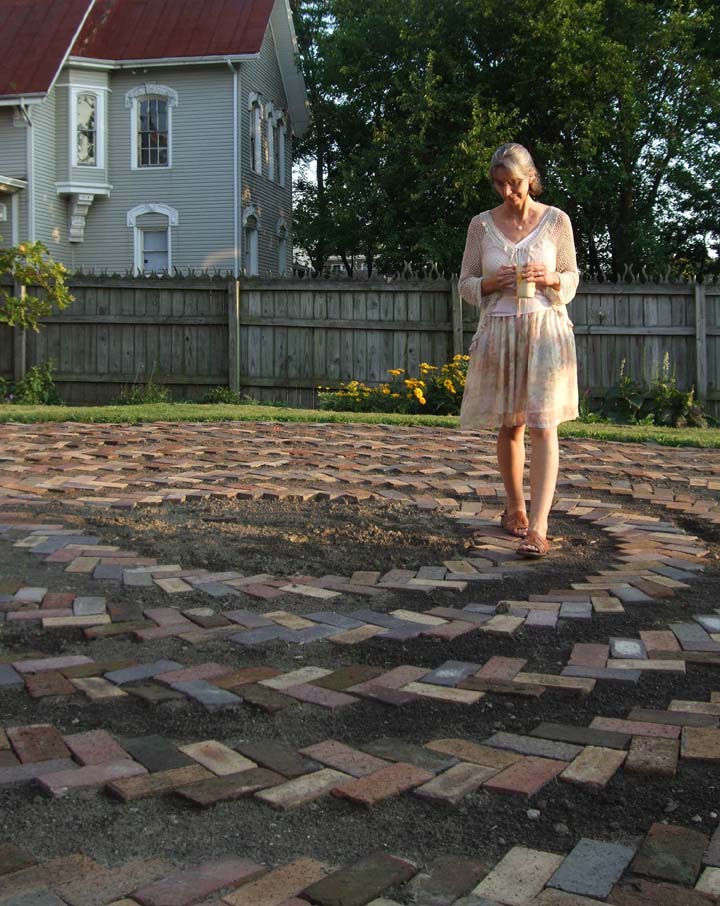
<point x="37" y="388"/>
<point x="224" y="395"/>
<point x="141" y="394"/>
<point x="659" y="403"/>
<point x="437" y="391"/>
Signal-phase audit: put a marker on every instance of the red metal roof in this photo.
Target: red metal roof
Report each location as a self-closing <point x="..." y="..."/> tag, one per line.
<point x="155" y="29"/>
<point x="35" y="36"/>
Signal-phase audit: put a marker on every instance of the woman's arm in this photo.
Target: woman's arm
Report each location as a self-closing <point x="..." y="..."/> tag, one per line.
<point x="470" y="284"/>
<point x="562" y="290"/>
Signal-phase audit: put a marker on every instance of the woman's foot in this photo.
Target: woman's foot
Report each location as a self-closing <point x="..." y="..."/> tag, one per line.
<point x="533" y="546"/>
<point x="515" y="524"/>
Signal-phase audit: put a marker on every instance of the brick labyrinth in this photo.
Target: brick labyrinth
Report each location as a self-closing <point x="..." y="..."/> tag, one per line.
<point x="656" y="560"/>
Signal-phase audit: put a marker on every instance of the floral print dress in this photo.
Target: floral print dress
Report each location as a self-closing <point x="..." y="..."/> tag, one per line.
<point x="522" y="366"/>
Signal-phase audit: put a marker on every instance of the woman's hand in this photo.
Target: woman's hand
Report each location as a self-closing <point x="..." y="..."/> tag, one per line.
<point x="504" y="279"/>
<point x="541" y="276"/>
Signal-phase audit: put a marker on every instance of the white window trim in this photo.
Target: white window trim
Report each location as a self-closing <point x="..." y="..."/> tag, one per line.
<point x="255" y="103"/>
<point x="281" y="123"/>
<point x="149" y="89"/>
<point x="99" y="93"/>
<point x="270" y="118"/>
<point x="254" y="250"/>
<point x="132" y="216"/>
<point x="281" y="225"/>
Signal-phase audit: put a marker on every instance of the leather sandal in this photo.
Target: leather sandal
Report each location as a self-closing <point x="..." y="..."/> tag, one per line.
<point x="515" y="524"/>
<point x="534" y="546"/>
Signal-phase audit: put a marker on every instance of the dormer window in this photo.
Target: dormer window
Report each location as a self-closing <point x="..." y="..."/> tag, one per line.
<point x="151" y="109"/>
<point x="87" y="124"/>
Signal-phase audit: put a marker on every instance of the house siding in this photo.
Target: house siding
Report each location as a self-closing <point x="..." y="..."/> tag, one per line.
<point x="51" y="211"/>
<point x="271" y="200"/>
<point x="13" y="163"/>
<point x="198" y="185"/>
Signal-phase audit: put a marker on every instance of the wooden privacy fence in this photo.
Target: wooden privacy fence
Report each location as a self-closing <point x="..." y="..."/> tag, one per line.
<point x="280" y="339"/>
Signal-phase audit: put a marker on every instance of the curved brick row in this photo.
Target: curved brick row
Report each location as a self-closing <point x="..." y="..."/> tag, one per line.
<point x="442" y="770"/>
<point x="672" y="866"/>
<point x="655" y="558"/>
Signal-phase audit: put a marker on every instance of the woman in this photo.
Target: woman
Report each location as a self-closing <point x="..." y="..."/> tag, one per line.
<point x="519" y="268"/>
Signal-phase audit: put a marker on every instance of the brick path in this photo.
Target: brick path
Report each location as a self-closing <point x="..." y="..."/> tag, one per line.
<point x="656" y="560"/>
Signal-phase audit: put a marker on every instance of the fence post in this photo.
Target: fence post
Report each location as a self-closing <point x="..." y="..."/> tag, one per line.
<point x="457" y="318"/>
<point x="234" y="335"/>
<point x="19" y="341"/>
<point x="700" y="343"/>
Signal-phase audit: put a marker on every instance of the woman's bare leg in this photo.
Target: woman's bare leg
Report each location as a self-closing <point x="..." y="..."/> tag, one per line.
<point x="544" y="462"/>
<point x="511" y="463"/>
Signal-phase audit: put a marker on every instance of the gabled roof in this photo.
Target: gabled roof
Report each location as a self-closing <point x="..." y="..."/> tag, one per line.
<point x="35" y="39"/>
<point x="38" y="36"/>
<point x="160" y="29"/>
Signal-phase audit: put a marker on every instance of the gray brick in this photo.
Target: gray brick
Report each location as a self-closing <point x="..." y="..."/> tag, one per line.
<point x="451" y="673"/>
<point x="399" y="750"/>
<point x="210" y="697"/>
<point x="334" y="619"/>
<point x="582" y="736"/>
<point x="592" y="868"/>
<point x="608" y="674"/>
<point x="628" y="648"/>
<point x="530" y="745"/>
<point x="9" y="676"/>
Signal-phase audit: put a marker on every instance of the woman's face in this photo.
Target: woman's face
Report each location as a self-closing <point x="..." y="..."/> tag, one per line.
<point x="512" y="189"/>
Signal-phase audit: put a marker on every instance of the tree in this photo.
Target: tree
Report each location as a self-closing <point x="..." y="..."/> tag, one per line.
<point x="29" y="264"/>
<point x="617" y="99"/>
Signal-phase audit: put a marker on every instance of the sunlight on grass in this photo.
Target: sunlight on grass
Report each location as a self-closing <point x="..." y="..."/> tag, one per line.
<point x="195" y="412"/>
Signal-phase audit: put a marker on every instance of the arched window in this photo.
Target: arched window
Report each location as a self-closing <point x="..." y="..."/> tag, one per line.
<point x="152" y="237"/>
<point x="280" y="131"/>
<point x="251" y="228"/>
<point x="151" y="125"/>
<point x="255" y="133"/>
<point x="282" y="246"/>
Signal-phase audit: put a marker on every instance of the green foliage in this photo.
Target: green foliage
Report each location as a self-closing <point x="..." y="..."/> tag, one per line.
<point x="37" y="388"/>
<point x="139" y="394"/>
<point x="437" y="391"/>
<point x="619" y="101"/>
<point x="659" y="403"/>
<point x="30" y="266"/>
<point x="224" y="395"/>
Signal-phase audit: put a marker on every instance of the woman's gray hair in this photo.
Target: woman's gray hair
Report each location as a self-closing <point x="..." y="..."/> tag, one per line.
<point x="518" y="161"/>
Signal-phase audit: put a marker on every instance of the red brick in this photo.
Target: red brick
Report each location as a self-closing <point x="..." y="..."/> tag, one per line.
<point x="383" y="784"/>
<point x="191" y="886"/>
<point x="63" y="782"/>
<point x="49" y="683"/>
<point x="37" y="742"/>
<point x="336" y="755"/>
<point x="94" y="747"/>
<point x="275" y="886"/>
<point x="635" y="727"/>
<point x="57" y="601"/>
<point x="51" y="874"/>
<point x="584" y="655"/>
<point x="400" y="676"/>
<point x="201" y="671"/>
<point x="501" y="668"/>
<point x="314" y="695"/>
<point x="142" y="786"/>
<point x="246" y="676"/>
<point x="526" y="777"/>
<point x="650" y="755"/>
<point x="637" y="892"/>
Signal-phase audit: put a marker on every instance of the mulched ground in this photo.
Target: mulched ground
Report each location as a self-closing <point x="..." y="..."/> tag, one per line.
<point x="323" y="537"/>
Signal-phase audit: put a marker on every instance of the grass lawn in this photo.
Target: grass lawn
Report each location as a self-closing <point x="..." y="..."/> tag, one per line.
<point x="195" y="412"/>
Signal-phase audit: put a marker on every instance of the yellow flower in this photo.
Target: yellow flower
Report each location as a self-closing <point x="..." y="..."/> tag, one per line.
<point x="396" y="372"/>
<point x="449" y="386"/>
<point x="419" y="396"/>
